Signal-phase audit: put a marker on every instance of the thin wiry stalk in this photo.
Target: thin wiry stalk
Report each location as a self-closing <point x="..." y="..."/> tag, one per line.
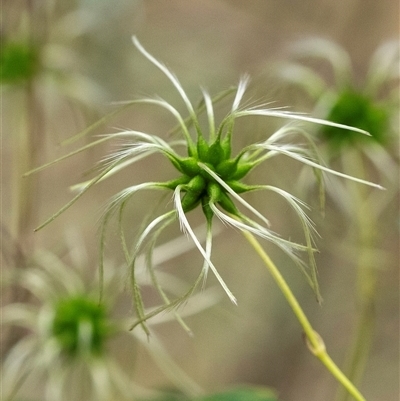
<point x="174" y="304"/>
<point x="174" y="80"/>
<point x="206" y="266"/>
<point x="98" y="123"/>
<point x="119" y="199"/>
<point x="127" y="193"/>
<point x="159" y="146"/>
<point x="164" y="104"/>
<point x="295" y="155"/>
<point x="294" y="116"/>
<point x="121" y="230"/>
<point x="245" y="224"/>
<point x="102" y="245"/>
<point x="137" y="148"/>
<point x="201" y="107"/>
<point x="167" y="218"/>
<point x="185" y="227"/>
<point x="243" y="83"/>
<point x="75" y="152"/>
<point x="166" y="300"/>
<point x="138" y="303"/>
<point x="123" y="200"/>
<point x="82" y="192"/>
<point x="314" y="341"/>
<point x="308" y="229"/>
<point x="313" y="151"/>
<point x="210" y="114"/>
<point x="150" y="265"/>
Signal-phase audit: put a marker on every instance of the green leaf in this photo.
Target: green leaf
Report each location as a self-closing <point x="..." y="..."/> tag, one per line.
<point x="242" y="394"/>
<point x="170" y="395"/>
<point x="235" y="394"/>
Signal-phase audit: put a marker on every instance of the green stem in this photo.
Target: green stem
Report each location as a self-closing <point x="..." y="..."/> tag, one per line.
<point x="360" y="346"/>
<point x="314" y="341"/>
<point x="24" y="193"/>
<point x="367" y="274"/>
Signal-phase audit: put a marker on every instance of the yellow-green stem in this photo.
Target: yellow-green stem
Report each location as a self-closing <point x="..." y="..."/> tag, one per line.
<point x="314" y="341"/>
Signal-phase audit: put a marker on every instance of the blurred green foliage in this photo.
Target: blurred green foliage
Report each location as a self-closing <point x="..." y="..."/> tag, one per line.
<point x="235" y="394"/>
<point x="243" y="394"/>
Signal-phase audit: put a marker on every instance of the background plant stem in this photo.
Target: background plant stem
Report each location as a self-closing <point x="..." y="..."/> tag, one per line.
<point x="28" y="148"/>
<point x="367" y="273"/>
<point x="314" y="341"/>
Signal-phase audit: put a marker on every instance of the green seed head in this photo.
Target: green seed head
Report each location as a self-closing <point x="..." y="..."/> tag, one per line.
<point x="357" y="110"/>
<point x="19" y="63"/>
<point x="188" y="166"/>
<point x="80" y="324"/>
<point x="201" y="187"/>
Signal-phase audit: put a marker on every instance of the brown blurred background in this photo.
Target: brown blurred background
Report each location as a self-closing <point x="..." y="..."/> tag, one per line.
<point x="208" y="43"/>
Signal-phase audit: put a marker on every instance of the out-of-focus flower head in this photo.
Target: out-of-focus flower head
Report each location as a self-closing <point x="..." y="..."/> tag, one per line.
<point x="68" y="332"/>
<point x="371" y="104"/>
<point x="66" y="348"/>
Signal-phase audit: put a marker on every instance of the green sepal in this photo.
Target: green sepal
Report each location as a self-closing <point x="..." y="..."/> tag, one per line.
<point x="240" y="188"/>
<point x="205" y="174"/>
<point x="196" y="185"/>
<point x="226" y="203"/>
<point x="227" y="168"/>
<point x="227" y="146"/>
<point x="190" y="201"/>
<point x="183" y="180"/>
<point x="187" y="165"/>
<point x="208" y="213"/>
<point x="242" y="170"/>
<point x="214" y="192"/>
<point x="218" y="195"/>
<point x="202" y="149"/>
<point x="215" y="153"/>
<point x="192" y="151"/>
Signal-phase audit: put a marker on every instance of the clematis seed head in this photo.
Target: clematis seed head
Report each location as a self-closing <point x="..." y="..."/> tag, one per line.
<point x="355" y="109"/>
<point x="80" y="323"/>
